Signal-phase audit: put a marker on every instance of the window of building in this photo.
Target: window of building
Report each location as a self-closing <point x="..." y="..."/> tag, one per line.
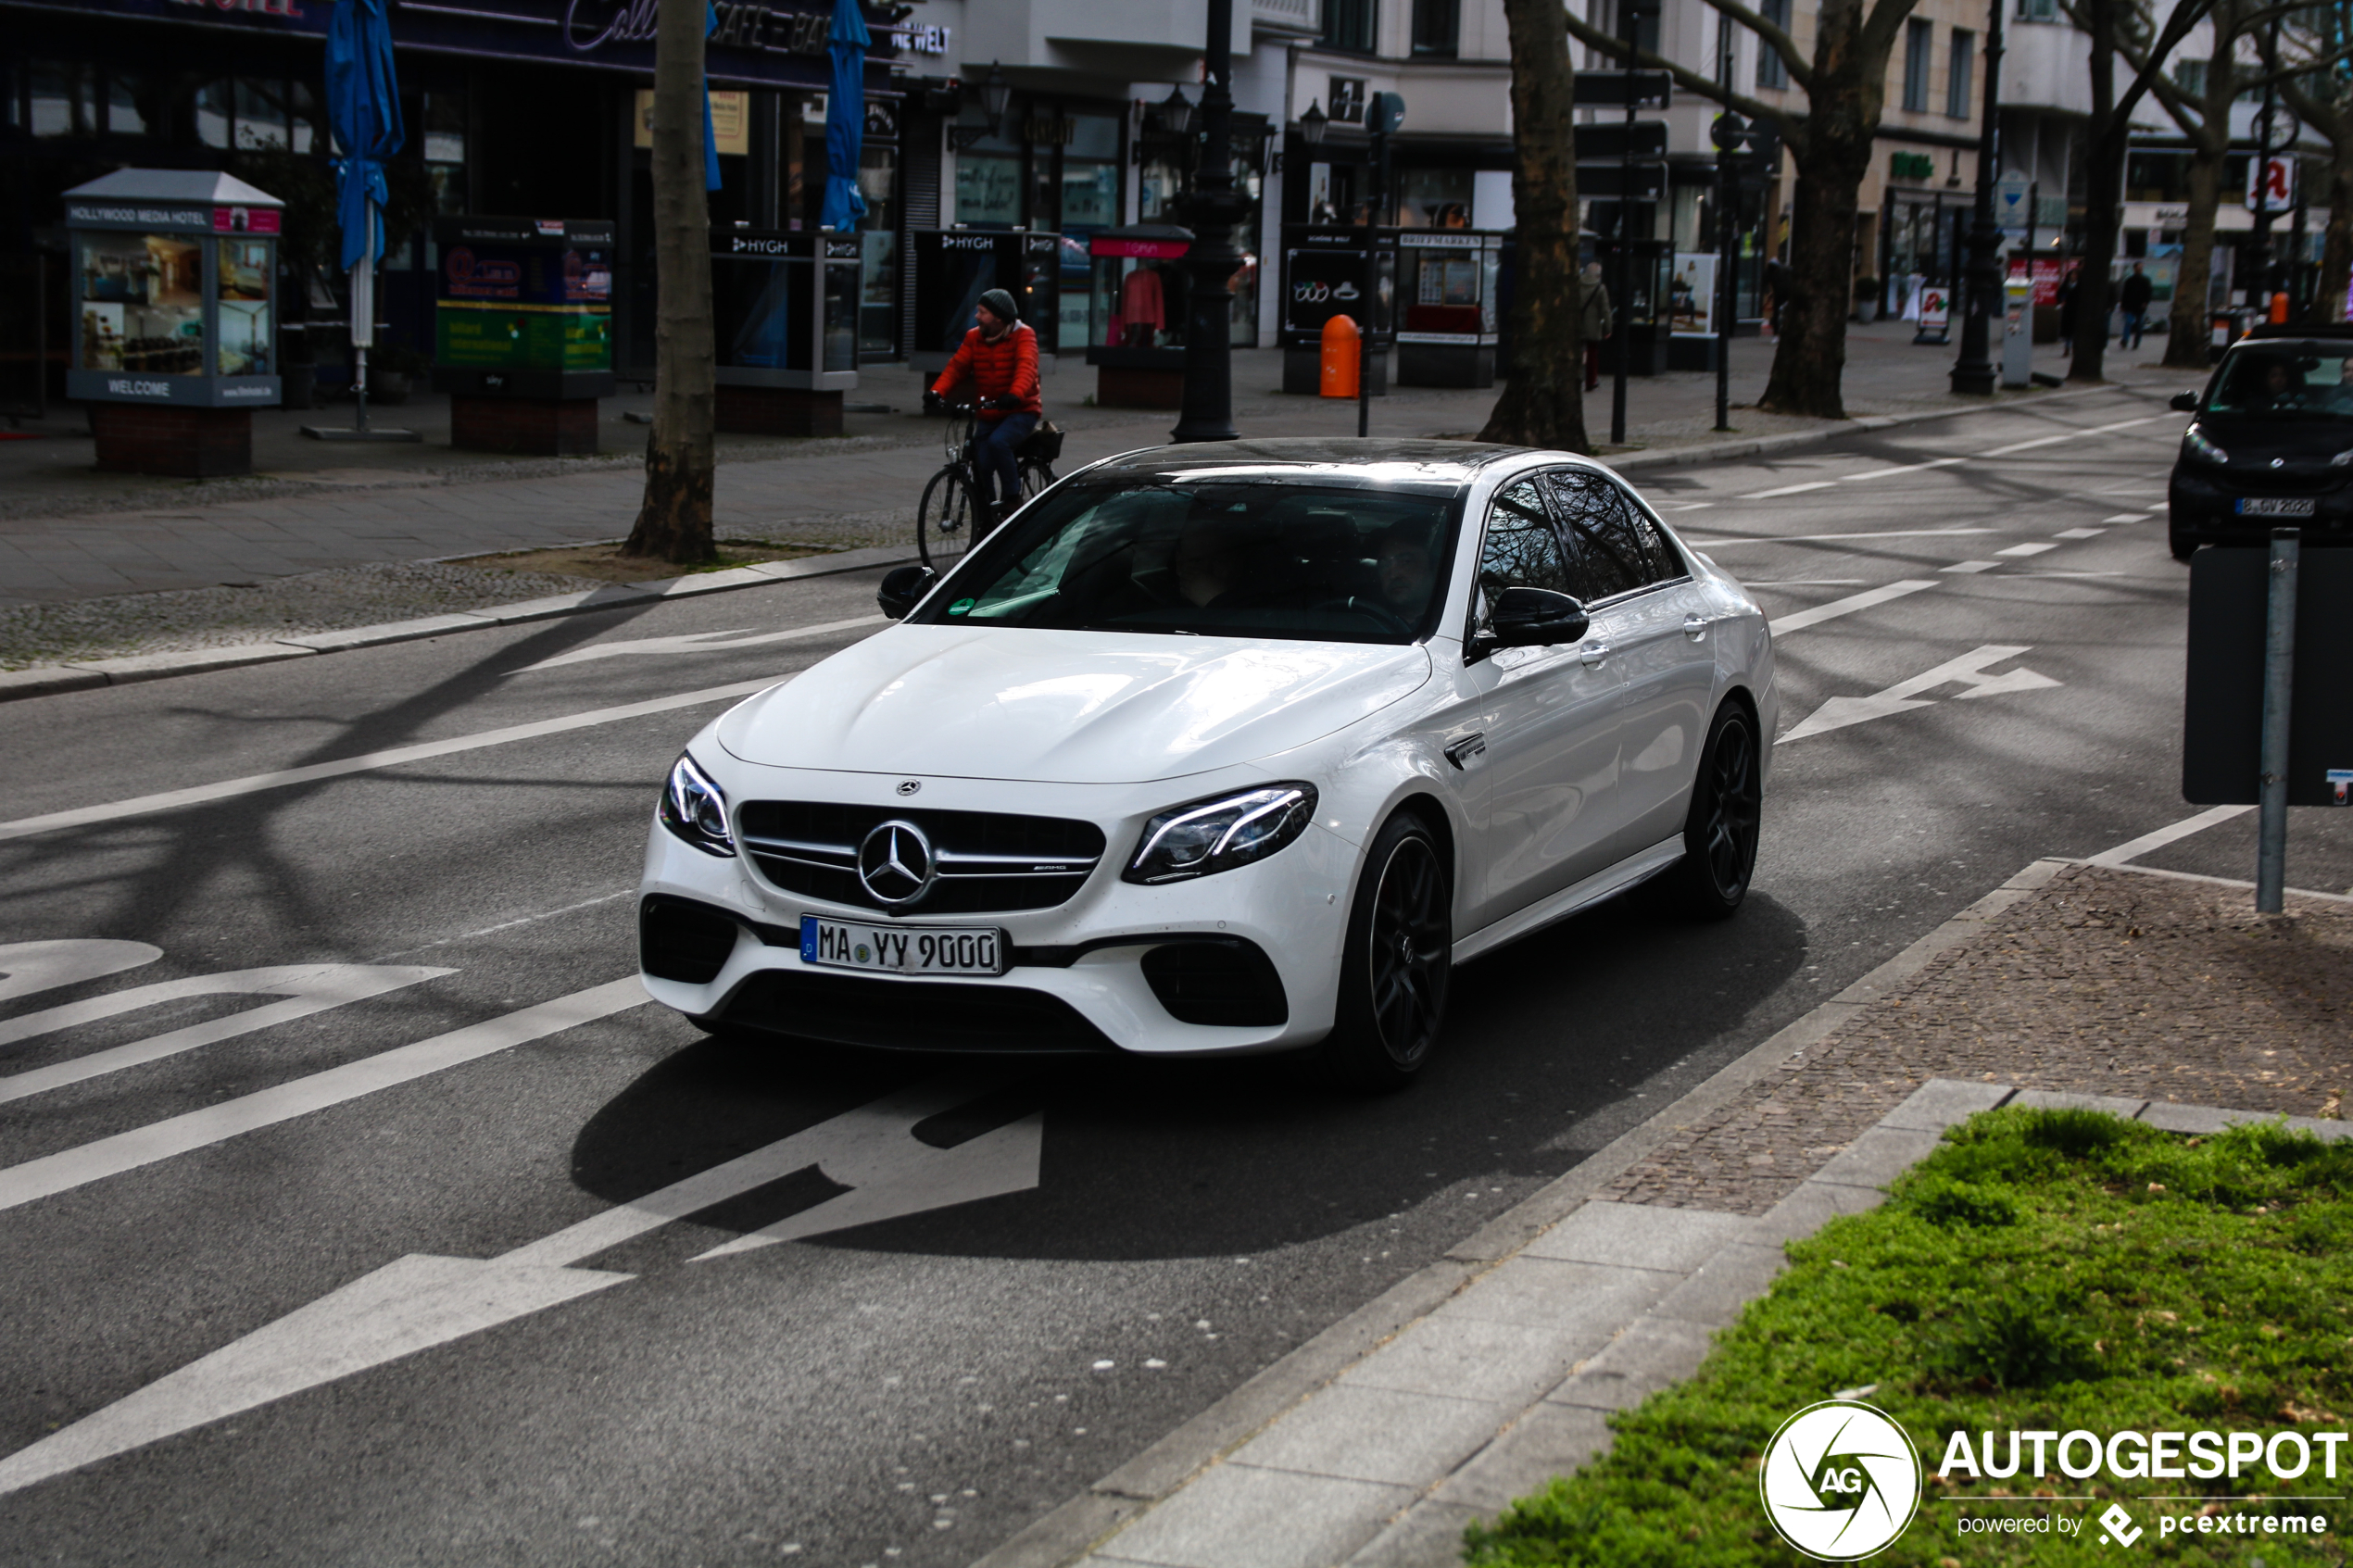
<point x="1960" y="80"/>
<point x="62" y="98"/>
<point x="1438" y="26"/>
<point x="1772" y="71"/>
<point x="1919" y="38"/>
<point x="2157" y="177"/>
<point x="261" y="117"/>
<point x="1350" y="24"/>
<point x="2190" y="77"/>
<point x="2038" y="10"/>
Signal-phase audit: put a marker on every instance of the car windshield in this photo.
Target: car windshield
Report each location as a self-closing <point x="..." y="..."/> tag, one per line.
<point x="1214" y="555"/>
<point x="2292" y="382"/>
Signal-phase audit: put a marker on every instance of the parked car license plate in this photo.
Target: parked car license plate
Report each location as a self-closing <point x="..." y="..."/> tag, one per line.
<point x="902" y="949"/>
<point x="2275" y="505"/>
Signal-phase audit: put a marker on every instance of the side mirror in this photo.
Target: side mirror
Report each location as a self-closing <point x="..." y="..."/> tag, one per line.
<point x="903" y="588"/>
<point x="2183" y="402"/>
<point x="1536" y="617"/>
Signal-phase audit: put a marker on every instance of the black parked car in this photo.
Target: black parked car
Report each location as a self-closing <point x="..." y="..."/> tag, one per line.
<point x="2273" y="443"/>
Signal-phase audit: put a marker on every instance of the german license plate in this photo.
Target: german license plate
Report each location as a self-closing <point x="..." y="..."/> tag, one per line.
<point x="902" y="949"/>
<point x="2275" y="505"/>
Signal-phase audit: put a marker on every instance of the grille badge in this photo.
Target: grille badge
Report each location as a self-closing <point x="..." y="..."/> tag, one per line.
<point x="895" y="863"/>
<point x="909" y="787"/>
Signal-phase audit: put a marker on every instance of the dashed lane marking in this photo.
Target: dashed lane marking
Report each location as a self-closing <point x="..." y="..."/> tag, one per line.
<point x="2133" y="848"/>
<point x="2035" y="548"/>
<point x="1787" y="490"/>
<point x="1972" y="566"/>
<point x="1799" y="622"/>
<point x="1817" y="538"/>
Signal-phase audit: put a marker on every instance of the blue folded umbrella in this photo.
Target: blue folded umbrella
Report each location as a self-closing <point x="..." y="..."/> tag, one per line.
<point x="363" y="110"/>
<point x="846" y="116"/>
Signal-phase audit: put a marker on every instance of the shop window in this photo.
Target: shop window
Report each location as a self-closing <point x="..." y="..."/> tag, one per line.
<point x="988" y="189"/>
<point x="1438" y="27"/>
<point x="1350" y="24"/>
<point x="63" y="98"/>
<point x="1919" y="38"/>
<point x="1434" y="198"/>
<point x="1958" y="81"/>
<point x="444" y="143"/>
<point x="1772" y="71"/>
<point x="123" y="115"/>
<point x="261" y="117"/>
<point x="2157" y="177"/>
<point x="214" y="113"/>
<point x="309" y="123"/>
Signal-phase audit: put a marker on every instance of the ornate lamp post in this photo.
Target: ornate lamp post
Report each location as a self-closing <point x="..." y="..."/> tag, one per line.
<point x="1973" y="371"/>
<point x="1211" y="211"/>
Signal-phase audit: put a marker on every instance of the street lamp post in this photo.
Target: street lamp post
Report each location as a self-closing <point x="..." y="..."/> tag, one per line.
<point x="1973" y="373"/>
<point x="1210" y="212"/>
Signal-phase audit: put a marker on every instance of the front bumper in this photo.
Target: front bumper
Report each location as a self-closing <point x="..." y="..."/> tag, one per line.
<point x="2204" y="508"/>
<point x="1082" y="974"/>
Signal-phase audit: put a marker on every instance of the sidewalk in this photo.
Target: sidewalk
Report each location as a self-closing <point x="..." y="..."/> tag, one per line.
<point x="70" y="533"/>
<point x="1478" y="1380"/>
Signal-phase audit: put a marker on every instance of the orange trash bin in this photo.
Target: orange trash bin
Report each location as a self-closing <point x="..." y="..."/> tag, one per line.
<point x="1343" y="358"/>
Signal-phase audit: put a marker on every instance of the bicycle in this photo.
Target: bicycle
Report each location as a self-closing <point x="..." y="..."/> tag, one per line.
<point x="947" y="518"/>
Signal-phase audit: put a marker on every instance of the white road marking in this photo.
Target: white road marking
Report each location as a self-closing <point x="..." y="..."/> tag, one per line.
<point x="1810" y="582"/>
<point x="1799" y="619"/>
<point x="27" y="967"/>
<point x="1686" y="506"/>
<point x="2070" y="435"/>
<point x="1969" y="670"/>
<point x="417" y="1303"/>
<point x="143" y="805"/>
<point x="1972" y="566"/>
<point x="694" y="641"/>
<point x="1816" y="538"/>
<point x="511" y="924"/>
<point x="2133" y="848"/>
<point x="2035" y="548"/>
<point x="2127" y="516"/>
<point x="71" y="1168"/>
<point x="2079" y="533"/>
<point x="1906" y="468"/>
<point x="1786" y="490"/>
<point x="309" y="988"/>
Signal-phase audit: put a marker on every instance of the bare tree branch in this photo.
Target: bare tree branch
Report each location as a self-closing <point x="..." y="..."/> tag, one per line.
<point x="1792" y="126"/>
<point x="1801" y="68"/>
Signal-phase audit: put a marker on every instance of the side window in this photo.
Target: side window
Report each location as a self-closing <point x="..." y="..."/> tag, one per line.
<point x="1615" y="546"/>
<point x="1522" y="549"/>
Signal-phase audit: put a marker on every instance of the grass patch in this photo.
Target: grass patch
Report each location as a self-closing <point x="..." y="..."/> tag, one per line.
<point x="2040" y="1271"/>
<point x="607" y="564"/>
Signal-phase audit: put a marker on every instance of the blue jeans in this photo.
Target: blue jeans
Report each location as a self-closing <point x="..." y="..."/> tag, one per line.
<point x="995" y="470"/>
<point x="2132" y="329"/>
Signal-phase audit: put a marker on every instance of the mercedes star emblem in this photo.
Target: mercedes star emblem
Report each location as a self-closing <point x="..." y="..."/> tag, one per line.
<point x="895" y="863"/>
<point x="909" y="787"/>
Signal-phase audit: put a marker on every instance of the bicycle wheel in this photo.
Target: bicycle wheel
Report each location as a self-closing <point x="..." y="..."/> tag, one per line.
<point x="944" y="521"/>
<point x="1036" y="474"/>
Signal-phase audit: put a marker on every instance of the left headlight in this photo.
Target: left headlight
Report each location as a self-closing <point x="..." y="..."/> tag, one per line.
<point x="2196" y="440"/>
<point x="696" y="809"/>
<point x="1208" y="836"/>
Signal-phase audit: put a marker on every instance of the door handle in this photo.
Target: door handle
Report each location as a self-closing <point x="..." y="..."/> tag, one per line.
<point x="1592" y="654"/>
<point x="1696" y="627"/>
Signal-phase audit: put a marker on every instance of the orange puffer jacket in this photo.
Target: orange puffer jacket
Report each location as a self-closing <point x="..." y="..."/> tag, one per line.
<point x="1007" y="367"/>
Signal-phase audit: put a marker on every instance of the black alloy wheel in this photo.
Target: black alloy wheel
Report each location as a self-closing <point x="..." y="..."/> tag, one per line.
<point x="1727" y="813"/>
<point x="1398" y="963"/>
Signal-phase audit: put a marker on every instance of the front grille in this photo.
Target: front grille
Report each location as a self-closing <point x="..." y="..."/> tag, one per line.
<point x="1228" y="981"/>
<point x="679" y="939"/>
<point x="988" y="861"/>
<point x="909" y="1015"/>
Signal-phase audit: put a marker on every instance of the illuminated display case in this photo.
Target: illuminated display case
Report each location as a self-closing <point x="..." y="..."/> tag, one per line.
<point x="524" y="308"/>
<point x="1139" y="297"/>
<point x="174" y="279"/>
<point x="784" y="306"/>
<point x="955" y="267"/>
<point x="1447" y="325"/>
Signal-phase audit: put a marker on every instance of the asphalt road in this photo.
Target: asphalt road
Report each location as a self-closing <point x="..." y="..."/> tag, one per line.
<point x="911" y="1391"/>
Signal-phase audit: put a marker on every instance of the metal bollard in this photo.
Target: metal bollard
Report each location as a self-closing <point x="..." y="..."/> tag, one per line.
<point x="2279" y="700"/>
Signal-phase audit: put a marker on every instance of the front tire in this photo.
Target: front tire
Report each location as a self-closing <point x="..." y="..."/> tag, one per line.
<point x="2182" y="546"/>
<point x="1722" y="830"/>
<point x="1398" y="963"/>
<point x="946" y="521"/>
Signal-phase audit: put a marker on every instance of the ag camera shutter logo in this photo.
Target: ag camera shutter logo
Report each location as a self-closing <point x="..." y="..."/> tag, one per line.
<point x="1839" y="1481"/>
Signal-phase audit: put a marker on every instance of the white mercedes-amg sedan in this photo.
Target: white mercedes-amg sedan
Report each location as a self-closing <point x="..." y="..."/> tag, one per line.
<point x="1236" y="747"/>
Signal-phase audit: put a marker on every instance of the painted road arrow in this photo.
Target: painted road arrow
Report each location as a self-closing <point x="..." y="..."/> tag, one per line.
<point x="1967" y="671"/>
<point x="418" y="1301"/>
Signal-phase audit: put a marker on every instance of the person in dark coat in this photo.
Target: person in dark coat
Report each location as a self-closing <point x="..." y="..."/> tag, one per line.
<point x="2133" y="295"/>
<point x="2068" y="286"/>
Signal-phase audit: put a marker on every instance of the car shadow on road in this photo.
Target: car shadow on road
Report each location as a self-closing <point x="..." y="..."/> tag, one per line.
<point x="1547" y="1041"/>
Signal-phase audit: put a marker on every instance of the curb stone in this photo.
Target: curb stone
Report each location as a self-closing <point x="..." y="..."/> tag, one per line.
<point x="1071" y="1531"/>
<point x="81" y="675"/>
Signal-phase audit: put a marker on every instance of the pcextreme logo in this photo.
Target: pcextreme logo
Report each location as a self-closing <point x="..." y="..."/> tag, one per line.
<point x="1839" y="1481"/>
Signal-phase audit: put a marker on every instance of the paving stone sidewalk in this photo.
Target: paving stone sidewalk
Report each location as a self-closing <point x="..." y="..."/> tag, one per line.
<point x="2150" y="996"/>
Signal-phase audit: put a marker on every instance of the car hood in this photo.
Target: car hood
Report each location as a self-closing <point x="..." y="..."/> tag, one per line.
<point x="1063" y="706"/>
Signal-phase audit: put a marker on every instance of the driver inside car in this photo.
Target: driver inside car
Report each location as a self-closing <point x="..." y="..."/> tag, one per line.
<point x="1406" y="573"/>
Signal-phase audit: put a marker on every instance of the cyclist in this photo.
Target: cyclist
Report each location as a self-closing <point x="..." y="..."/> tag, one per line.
<point x="1000" y="355"/>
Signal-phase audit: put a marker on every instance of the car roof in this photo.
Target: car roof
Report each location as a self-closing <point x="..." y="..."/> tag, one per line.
<point x="1428" y="465"/>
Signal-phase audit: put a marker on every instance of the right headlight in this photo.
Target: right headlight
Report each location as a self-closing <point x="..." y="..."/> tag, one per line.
<point x="696" y="809"/>
<point x="2203" y="447"/>
<point x="1208" y="836"/>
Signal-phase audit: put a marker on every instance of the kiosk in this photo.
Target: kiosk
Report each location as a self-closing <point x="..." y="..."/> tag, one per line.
<point x="784" y="312"/>
<point x="174" y="288"/>
<point x="1448" y="328"/>
<point x="955" y="267"/>
<point x="1323" y="276"/>
<point x="1137" y="300"/>
<point x="522" y="332"/>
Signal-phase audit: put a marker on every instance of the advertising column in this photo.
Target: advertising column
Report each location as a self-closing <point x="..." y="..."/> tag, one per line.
<point x="523" y="332"/>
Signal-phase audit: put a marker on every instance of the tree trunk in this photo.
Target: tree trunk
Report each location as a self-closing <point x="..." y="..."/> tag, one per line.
<point x="1811" y="357"/>
<point x="2337" y="240"/>
<point x="2185" y="333"/>
<point x="2103" y="191"/>
<point x="674" y="520"/>
<point x="1542" y="402"/>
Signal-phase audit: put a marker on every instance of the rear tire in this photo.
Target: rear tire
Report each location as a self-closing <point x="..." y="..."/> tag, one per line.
<point x="946" y="521"/>
<point x="1721" y="830"/>
<point x="1397" y="965"/>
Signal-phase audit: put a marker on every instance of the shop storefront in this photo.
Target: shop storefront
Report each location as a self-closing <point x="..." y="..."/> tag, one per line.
<point x="512" y="107"/>
<point x="1051" y="165"/>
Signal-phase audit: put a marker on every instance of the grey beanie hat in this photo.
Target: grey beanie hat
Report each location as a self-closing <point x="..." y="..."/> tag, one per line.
<point x="1001" y="305"/>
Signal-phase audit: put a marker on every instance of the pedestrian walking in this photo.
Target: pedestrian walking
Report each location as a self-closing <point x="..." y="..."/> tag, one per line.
<point x="1595" y="321"/>
<point x="1777" y="292"/>
<point x="2134" y="296"/>
<point x="2067" y="288"/>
